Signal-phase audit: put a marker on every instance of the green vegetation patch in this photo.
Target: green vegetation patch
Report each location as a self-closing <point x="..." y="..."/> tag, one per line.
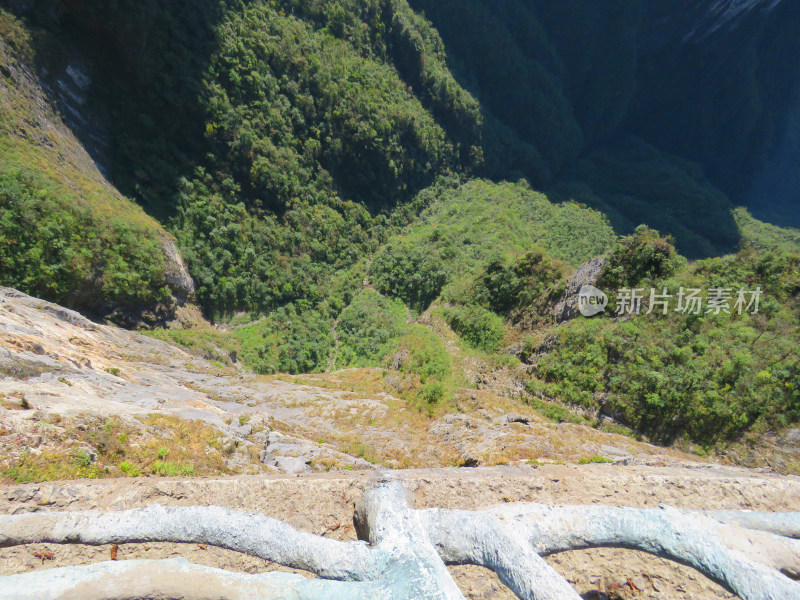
<point x="368" y="328"/>
<point x="288" y="341"/>
<point x="65" y="235"/>
<point x="208" y="342"/>
<point x="708" y="377"/>
<point x="478" y="327"/>
<point x="427" y="376"/>
<point x="477" y="223"/>
<point x="53" y="246"/>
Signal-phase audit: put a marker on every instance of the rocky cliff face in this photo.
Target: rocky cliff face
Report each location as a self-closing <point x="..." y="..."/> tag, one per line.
<point x="701" y="20"/>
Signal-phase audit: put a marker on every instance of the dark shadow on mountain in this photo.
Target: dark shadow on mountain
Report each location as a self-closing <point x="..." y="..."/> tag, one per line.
<point x="633" y="182"/>
<point x="141" y="119"/>
<point x="774" y="194"/>
<point x="718" y="84"/>
<point x="707" y="90"/>
<point x="560" y="77"/>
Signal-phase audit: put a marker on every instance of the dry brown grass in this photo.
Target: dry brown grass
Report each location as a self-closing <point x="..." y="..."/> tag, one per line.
<point x="92" y="448"/>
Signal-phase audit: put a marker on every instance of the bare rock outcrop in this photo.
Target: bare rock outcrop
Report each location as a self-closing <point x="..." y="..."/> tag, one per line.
<point x="587" y="274"/>
<point x="175" y="271"/>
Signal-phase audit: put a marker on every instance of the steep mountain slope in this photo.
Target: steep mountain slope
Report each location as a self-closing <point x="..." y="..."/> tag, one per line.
<point x="79" y="399"/>
<point x="65" y="232"/>
<point x="711" y="81"/>
<point x="295" y="121"/>
<point x="336" y="177"/>
<point x="718" y="84"/>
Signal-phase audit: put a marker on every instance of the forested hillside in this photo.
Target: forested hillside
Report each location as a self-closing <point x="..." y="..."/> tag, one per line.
<point x="410" y="185"/>
<point x="65" y="233"/>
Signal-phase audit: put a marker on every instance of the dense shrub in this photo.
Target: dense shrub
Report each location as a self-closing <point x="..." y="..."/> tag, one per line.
<point x="412" y="273"/>
<point x="367" y="328"/>
<point x="288" y="341"/>
<point x="432" y="393"/>
<point x="707" y="376"/>
<point x="53" y="247"/>
<point x="422" y="353"/>
<point x="480" y="328"/>
<point x="527" y="282"/>
<point x="244" y="258"/>
<point x="644" y="256"/>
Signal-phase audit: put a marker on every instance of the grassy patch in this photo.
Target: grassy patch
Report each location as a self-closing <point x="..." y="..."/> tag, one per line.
<point x="594" y="460"/>
<point x="477" y="223"/>
<point x="479" y="328"/>
<point x="207" y="342"/>
<point x="558" y="413"/>
<point x="766" y="236"/>
<point x="108" y="448"/>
